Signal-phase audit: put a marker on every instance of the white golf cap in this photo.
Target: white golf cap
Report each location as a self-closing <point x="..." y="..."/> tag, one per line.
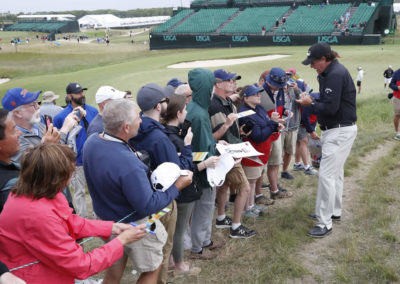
<point x="165" y="175"/>
<point x="108" y="93"/>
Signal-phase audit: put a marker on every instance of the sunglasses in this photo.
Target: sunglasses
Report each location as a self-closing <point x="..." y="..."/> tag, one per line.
<point x="166" y="100"/>
<point x="279" y="79"/>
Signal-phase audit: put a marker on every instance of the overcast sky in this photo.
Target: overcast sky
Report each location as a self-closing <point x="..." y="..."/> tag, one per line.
<point x="31" y="6"/>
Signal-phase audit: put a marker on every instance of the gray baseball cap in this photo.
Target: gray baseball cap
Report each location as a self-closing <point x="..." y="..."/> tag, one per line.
<point x="151" y="94"/>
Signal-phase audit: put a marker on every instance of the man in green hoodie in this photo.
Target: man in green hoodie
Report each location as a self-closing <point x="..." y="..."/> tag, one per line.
<point x="201" y="82"/>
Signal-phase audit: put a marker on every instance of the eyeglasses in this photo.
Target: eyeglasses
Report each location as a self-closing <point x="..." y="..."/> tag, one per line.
<point x="166" y="100"/>
<point x="34" y="105"/>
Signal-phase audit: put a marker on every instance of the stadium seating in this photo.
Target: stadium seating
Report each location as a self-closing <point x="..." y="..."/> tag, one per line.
<point x="205" y="21"/>
<point x="217" y="2"/>
<point x="45" y="27"/>
<point x="314" y="19"/>
<point x="361" y="15"/>
<point x="251" y="20"/>
<point x="173" y="21"/>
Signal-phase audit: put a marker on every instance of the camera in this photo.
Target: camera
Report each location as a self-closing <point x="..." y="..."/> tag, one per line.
<point x="248" y="126"/>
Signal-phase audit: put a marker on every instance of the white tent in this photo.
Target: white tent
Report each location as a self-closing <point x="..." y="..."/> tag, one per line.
<point x="111" y="21"/>
<point x="100" y="21"/>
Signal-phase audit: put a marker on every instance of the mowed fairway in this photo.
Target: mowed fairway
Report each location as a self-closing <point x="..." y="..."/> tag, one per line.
<point x="362" y="249"/>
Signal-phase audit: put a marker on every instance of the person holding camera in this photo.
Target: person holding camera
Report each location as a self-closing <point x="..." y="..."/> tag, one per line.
<point x="261" y="129"/>
<point x="85" y="115"/>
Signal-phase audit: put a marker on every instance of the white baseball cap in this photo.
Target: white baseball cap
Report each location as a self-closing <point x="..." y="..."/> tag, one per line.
<point x="108" y="93"/>
<point x="165" y="175"/>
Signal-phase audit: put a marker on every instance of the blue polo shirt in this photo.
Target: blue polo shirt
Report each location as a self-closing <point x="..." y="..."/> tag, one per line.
<point x="58" y="121"/>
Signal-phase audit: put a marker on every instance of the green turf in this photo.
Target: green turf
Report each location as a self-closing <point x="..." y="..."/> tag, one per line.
<point x="43" y="66"/>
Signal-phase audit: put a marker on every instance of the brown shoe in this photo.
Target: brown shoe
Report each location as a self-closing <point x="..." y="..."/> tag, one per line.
<point x="205" y="254"/>
<point x="215" y="245"/>
<point x="281" y="194"/>
<point x="262" y="200"/>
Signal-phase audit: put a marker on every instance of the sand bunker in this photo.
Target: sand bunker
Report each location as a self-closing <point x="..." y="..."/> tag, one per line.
<point x="225" y="62"/>
<point x="4" y="80"/>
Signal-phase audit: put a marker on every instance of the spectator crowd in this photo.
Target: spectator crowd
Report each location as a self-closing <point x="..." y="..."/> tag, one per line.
<point x="136" y="157"/>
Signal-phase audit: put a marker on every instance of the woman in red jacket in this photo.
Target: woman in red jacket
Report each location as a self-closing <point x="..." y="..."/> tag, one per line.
<point x="263" y="131"/>
<point x="38" y="225"/>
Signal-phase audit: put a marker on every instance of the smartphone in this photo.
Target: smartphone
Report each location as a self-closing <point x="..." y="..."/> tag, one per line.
<point x="48" y="120"/>
<point x="248" y="126"/>
<point x="78" y="114"/>
<point x="185" y="126"/>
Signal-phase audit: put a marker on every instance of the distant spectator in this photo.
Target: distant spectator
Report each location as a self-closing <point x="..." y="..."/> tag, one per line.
<point x="395" y="86"/>
<point x="388" y="74"/>
<point x="277" y="23"/>
<point x="48" y="106"/>
<point x="263" y="29"/>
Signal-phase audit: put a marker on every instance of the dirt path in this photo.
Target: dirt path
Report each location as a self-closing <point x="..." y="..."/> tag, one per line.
<point x="315" y="256"/>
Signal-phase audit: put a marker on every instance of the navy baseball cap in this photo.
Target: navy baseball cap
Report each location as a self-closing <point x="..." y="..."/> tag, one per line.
<point x="252" y="90"/>
<point x="175" y="82"/>
<point x="18" y="96"/>
<point x="277" y="77"/>
<point x="74" y="88"/>
<point x="151" y="94"/>
<point x="222" y="75"/>
<point x="316" y="51"/>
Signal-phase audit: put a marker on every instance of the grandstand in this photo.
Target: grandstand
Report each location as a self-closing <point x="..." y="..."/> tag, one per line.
<point x="45" y="23"/>
<point x="314" y="19"/>
<point x="234" y="23"/>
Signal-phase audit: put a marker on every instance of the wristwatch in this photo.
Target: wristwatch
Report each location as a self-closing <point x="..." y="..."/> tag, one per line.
<point x="312" y="103"/>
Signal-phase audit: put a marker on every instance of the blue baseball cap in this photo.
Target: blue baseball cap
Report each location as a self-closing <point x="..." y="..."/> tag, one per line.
<point x="18" y="96"/>
<point x="175" y="82"/>
<point x="252" y="90"/>
<point x="222" y="75"/>
<point x="277" y="77"/>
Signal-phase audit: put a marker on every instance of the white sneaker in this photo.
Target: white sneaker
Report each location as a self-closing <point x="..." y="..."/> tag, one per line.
<point x="397" y="136"/>
<point x="298" y="167"/>
<point x="310" y="171"/>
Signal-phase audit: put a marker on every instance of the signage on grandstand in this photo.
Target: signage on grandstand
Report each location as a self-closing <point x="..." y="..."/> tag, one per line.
<point x="169" y="38"/>
<point x="281" y="38"/>
<point x="328" y="39"/>
<point x="240" y="39"/>
<point x="203" y="38"/>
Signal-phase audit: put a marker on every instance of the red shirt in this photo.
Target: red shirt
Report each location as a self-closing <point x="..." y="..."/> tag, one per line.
<point x="46" y="230"/>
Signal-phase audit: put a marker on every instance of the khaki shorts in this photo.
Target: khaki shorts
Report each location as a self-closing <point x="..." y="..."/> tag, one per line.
<point x="236" y="178"/>
<point x="147" y="253"/>
<point x="396" y="105"/>
<point x="253" y="172"/>
<point x="289" y="139"/>
<point x="275" y="158"/>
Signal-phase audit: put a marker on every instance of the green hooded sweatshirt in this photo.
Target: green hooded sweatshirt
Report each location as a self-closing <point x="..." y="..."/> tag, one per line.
<point x="201" y="82"/>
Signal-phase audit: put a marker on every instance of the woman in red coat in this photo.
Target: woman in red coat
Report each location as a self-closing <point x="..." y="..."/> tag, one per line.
<point x="37" y="224"/>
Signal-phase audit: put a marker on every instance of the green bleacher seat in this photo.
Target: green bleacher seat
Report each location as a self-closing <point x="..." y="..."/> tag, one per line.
<point x="251" y="20"/>
<point x="361" y="15"/>
<point x="173" y="21"/>
<point x="314" y="19"/>
<point x="205" y="21"/>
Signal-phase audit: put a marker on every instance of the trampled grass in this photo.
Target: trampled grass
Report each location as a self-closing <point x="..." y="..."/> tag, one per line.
<point x="367" y="253"/>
